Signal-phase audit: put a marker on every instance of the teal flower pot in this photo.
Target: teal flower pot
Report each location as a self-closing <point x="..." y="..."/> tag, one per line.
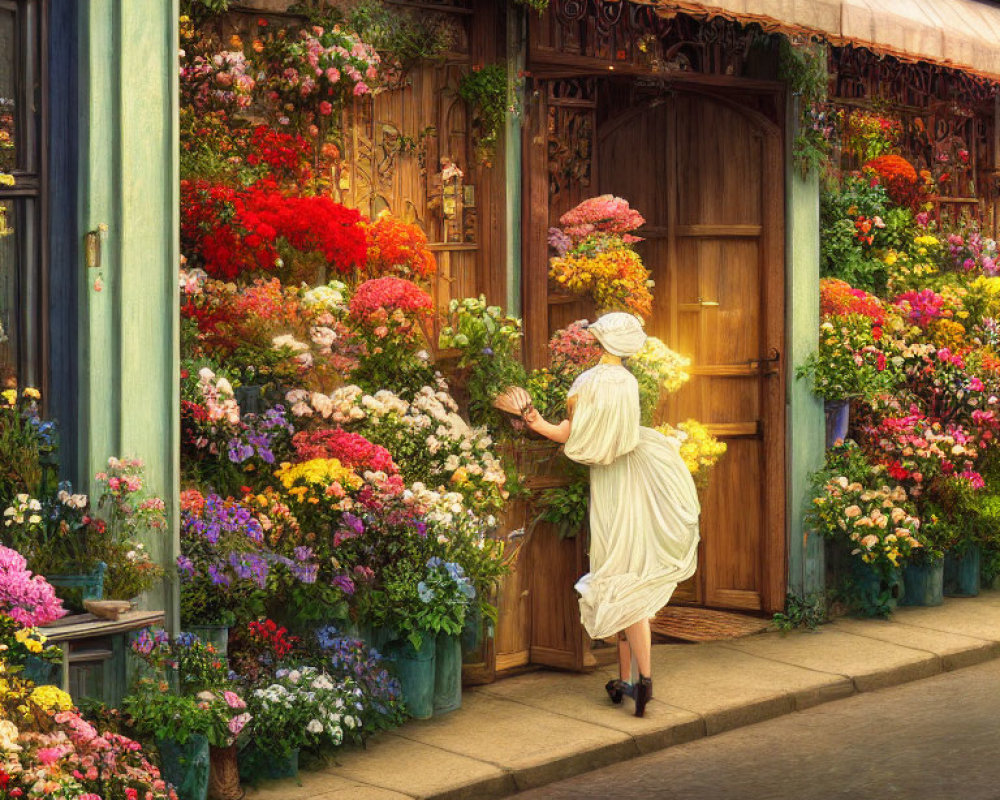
<point x="186" y="766"/>
<point x="415" y="669"/>
<point x="73" y="589"/>
<point x="447" y="674"/>
<point x="875" y="588"/>
<point x="923" y="584"/>
<point x="41" y="672"/>
<point x="961" y="572"/>
<point x="255" y="763"/>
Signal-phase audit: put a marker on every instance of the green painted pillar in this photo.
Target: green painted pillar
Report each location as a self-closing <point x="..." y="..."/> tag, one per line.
<point x="516" y="58"/>
<point x="128" y="343"/>
<point x="806" y="424"/>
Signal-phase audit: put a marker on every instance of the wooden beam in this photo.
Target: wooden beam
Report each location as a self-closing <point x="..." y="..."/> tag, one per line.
<point x="720" y="231"/>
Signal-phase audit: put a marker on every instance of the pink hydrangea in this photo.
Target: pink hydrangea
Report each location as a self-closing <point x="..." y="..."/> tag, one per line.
<point x="603" y="214"/>
<point x="29" y="599"/>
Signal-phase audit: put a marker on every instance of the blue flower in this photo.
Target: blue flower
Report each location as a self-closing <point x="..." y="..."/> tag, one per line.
<point x="425" y="593"/>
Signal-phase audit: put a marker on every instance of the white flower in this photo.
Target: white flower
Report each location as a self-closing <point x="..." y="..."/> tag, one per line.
<point x="314" y="726"/>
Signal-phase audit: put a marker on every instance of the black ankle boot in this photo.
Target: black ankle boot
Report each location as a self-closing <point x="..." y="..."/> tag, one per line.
<point x="643" y="691"/>
<point x="617" y="689"/>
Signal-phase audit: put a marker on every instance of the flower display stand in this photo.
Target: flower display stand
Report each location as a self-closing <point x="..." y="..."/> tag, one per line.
<point x="838" y="417"/>
<point x="447" y="674"/>
<point x="923" y="584"/>
<point x="95" y="652"/>
<point x="186" y="766"/>
<point x="961" y="572"/>
<point x="415" y="669"/>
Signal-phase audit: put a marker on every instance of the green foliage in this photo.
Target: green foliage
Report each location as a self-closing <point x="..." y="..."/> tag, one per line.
<point x="842" y="254"/>
<point x="802" y="66"/>
<point x="398" y="34"/>
<point x="566" y="507"/>
<point x="200" y="10"/>
<point x="802" y="611"/>
<point x="538" y="6"/>
<point x="485" y="92"/>
<point x="489" y="343"/>
<point x="156" y="714"/>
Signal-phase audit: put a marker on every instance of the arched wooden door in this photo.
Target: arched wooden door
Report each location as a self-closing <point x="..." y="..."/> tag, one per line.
<point x="707" y="174"/>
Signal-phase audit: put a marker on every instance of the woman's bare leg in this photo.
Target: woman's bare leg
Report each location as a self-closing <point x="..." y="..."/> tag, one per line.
<point x="640" y="643"/>
<point x="624" y="658"/>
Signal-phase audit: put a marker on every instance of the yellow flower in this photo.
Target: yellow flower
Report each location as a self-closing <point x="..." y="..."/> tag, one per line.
<point x="9" y="396"/>
<point x="32" y="393"/>
<point x="51" y="698"/>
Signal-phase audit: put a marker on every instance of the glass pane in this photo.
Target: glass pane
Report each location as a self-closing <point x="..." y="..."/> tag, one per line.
<point x="8" y="85"/>
<point x="8" y="294"/>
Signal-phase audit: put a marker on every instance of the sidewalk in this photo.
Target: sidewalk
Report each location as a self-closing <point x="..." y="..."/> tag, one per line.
<point x="541" y="727"/>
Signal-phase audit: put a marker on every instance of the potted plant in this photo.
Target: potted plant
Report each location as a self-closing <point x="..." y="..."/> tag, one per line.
<point x="428" y="607"/>
<point x="848" y="364"/>
<point x="299" y="707"/>
<point x="185" y="662"/>
<point x="923" y="570"/>
<point x="874" y="524"/>
<point x="181" y="727"/>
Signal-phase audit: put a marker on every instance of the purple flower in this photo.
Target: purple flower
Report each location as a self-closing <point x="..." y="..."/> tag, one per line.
<point x="344" y="583"/>
<point x="185" y="565"/>
<point x="219" y="578"/>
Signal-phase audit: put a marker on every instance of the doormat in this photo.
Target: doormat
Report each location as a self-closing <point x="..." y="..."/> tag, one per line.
<point x="691" y="624"/>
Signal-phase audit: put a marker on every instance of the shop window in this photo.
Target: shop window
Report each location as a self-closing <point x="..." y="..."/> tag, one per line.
<point x="22" y="318"/>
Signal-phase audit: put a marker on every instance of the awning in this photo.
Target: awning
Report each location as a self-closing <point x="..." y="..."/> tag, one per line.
<point x="962" y="34"/>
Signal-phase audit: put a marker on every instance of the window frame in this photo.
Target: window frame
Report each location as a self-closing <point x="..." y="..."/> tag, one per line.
<point x="30" y="323"/>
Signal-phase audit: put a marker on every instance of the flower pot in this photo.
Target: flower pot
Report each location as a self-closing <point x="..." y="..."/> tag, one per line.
<point x="41" y="672"/>
<point x="875" y="588"/>
<point x="217" y="635"/>
<point x="447" y="673"/>
<point x="415" y="669"/>
<point x="224" y="774"/>
<point x="249" y="398"/>
<point x="924" y="584"/>
<point x="255" y="763"/>
<point x="75" y="588"/>
<point x="838" y="417"/>
<point x="961" y="572"/>
<point x="472" y="634"/>
<point x="186" y="766"/>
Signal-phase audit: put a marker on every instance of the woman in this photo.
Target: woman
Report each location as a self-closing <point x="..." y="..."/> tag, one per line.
<point x="643" y="504"/>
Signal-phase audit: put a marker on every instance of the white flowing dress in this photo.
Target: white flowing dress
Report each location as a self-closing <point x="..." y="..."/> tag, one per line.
<point x="643" y="505"/>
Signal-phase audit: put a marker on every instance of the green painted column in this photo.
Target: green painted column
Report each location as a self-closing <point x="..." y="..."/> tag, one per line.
<point x="806" y="424"/>
<point x="516" y="57"/>
<point x="128" y="344"/>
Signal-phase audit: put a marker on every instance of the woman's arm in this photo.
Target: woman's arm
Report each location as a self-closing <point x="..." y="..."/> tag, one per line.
<point x="557" y="433"/>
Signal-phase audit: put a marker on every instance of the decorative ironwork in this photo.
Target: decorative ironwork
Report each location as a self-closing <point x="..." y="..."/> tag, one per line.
<point x="948" y="120"/>
<point x="633" y="35"/>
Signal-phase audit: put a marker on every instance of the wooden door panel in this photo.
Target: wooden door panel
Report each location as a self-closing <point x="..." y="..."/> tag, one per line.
<point x="732" y="508"/>
<point x="708" y="173"/>
<point x="713" y="141"/>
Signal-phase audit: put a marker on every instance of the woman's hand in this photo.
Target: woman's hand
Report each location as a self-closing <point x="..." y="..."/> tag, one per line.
<point x="531" y="416"/>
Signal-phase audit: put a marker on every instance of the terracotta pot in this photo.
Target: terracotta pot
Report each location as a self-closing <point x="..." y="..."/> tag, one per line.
<point x="224" y="774"/>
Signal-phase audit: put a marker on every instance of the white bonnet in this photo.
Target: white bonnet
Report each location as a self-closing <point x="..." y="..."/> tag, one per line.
<point x="619" y="333"/>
